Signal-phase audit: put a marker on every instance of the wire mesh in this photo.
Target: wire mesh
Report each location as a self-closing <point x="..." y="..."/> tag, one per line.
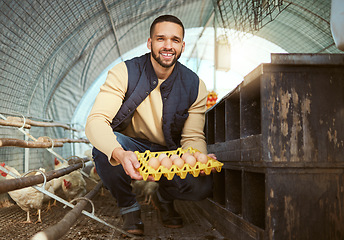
<point x="52" y="51"/>
<point x="249" y="15"/>
<point x="289" y="24"/>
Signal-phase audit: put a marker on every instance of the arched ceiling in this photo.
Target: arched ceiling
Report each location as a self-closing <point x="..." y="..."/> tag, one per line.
<point x="52" y="51"/>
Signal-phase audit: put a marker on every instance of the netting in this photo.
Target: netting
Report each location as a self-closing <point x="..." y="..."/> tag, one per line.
<point x="247" y="16"/>
<point x="52" y="51"/>
<point x="289" y="24"/>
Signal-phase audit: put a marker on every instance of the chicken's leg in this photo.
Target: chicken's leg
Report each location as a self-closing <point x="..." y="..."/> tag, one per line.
<point x="54" y="203"/>
<point x="48" y="207"/>
<point x="27" y="217"/>
<point x="39" y="220"/>
<point x="102" y="191"/>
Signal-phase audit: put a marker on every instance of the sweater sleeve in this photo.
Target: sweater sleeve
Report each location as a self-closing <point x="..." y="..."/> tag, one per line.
<point x="106" y="106"/>
<point x="193" y="131"/>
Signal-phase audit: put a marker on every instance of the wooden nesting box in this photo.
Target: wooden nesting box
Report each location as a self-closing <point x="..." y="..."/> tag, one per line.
<point x="280" y="135"/>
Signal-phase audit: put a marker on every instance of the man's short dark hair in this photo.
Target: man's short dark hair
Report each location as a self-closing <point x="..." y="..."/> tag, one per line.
<point x="166" y="18"/>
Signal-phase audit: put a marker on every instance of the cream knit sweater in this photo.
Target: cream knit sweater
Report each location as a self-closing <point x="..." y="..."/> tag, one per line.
<point x="147" y="120"/>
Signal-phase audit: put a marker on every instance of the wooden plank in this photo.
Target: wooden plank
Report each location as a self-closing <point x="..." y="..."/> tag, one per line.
<point x="219" y="187"/>
<point x="311" y="58"/>
<point x="250" y="108"/>
<point x="305" y="206"/>
<point x="232" y="116"/>
<point x="230" y="225"/>
<point x="220" y="126"/>
<point x="251" y="148"/>
<point x="302" y="113"/>
<point x="233" y="190"/>
<point x="226" y="151"/>
<point x="210" y="126"/>
<point x="253" y="198"/>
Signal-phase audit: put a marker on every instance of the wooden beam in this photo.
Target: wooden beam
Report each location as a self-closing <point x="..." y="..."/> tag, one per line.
<point x="39" y="123"/>
<point x="14" y="124"/>
<point x="18" y="183"/>
<point x="62" y="227"/>
<point x="68" y="140"/>
<point x="13" y="142"/>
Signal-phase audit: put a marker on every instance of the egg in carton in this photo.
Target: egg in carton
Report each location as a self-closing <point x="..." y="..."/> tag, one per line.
<point x="145" y="170"/>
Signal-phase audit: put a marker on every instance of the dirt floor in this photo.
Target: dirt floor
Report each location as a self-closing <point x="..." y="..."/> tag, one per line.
<point x="195" y="225"/>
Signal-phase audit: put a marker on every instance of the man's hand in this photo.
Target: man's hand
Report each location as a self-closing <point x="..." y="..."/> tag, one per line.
<point x="213" y="156"/>
<point x="129" y="162"/>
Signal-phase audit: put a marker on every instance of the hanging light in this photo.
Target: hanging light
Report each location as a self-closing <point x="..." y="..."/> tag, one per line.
<point x="222" y="54"/>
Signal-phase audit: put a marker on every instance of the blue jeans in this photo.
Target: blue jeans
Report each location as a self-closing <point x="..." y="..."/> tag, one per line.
<point x="118" y="182"/>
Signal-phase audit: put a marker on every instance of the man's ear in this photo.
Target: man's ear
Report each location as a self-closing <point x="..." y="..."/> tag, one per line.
<point x="149" y="43"/>
<point x="183" y="47"/>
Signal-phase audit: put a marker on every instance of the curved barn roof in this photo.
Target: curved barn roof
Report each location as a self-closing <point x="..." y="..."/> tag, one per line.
<point x="52" y="51"/>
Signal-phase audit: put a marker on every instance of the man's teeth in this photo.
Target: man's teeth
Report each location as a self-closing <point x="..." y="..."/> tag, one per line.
<point x="167" y="54"/>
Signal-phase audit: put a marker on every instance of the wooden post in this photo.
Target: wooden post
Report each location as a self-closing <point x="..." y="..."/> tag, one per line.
<point x="18" y="183"/>
<point x="13" y="142"/>
<point x="14" y="124"/>
<point x="38" y="123"/>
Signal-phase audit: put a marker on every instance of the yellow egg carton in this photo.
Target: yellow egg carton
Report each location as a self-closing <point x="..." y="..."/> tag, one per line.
<point x="146" y="170"/>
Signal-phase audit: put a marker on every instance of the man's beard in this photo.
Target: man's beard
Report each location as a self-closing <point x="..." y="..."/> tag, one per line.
<point x="161" y="63"/>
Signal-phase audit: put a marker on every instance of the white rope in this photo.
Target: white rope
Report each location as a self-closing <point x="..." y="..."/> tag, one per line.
<point x="24" y="121"/>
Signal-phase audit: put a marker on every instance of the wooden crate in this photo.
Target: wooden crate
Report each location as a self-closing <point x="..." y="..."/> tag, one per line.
<point x="280" y="135"/>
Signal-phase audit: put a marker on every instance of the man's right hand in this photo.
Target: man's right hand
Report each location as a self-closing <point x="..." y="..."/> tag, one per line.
<point x="129" y="161"/>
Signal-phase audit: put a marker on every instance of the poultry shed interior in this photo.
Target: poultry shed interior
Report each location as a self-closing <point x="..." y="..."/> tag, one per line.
<point x="274" y="72"/>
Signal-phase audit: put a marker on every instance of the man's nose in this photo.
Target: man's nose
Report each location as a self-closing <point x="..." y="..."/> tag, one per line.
<point x="168" y="44"/>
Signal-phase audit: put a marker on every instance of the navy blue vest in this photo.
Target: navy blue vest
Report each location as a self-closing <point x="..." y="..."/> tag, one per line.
<point x="179" y="91"/>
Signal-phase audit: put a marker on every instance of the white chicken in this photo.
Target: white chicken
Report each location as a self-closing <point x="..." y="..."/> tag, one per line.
<point x="88" y="154"/>
<point x="73" y="185"/>
<point x="149" y="190"/>
<point x="5" y="200"/>
<point x="138" y="186"/>
<point x="49" y="186"/>
<point x="56" y="182"/>
<point x="59" y="165"/>
<point x="146" y="189"/>
<point x="26" y="198"/>
<point x="94" y="175"/>
<point x="54" y="185"/>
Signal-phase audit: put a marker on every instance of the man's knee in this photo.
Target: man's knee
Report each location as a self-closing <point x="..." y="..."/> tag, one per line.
<point x="203" y="188"/>
<point x="107" y="172"/>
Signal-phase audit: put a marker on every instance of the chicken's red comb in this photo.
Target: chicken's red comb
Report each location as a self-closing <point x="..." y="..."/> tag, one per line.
<point x="67" y="183"/>
<point x="2" y="172"/>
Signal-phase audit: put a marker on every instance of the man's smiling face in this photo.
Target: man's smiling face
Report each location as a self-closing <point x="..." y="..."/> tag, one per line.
<point x="166" y="43"/>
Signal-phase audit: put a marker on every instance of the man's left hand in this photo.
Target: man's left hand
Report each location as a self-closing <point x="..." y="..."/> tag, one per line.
<point x="213" y="156"/>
